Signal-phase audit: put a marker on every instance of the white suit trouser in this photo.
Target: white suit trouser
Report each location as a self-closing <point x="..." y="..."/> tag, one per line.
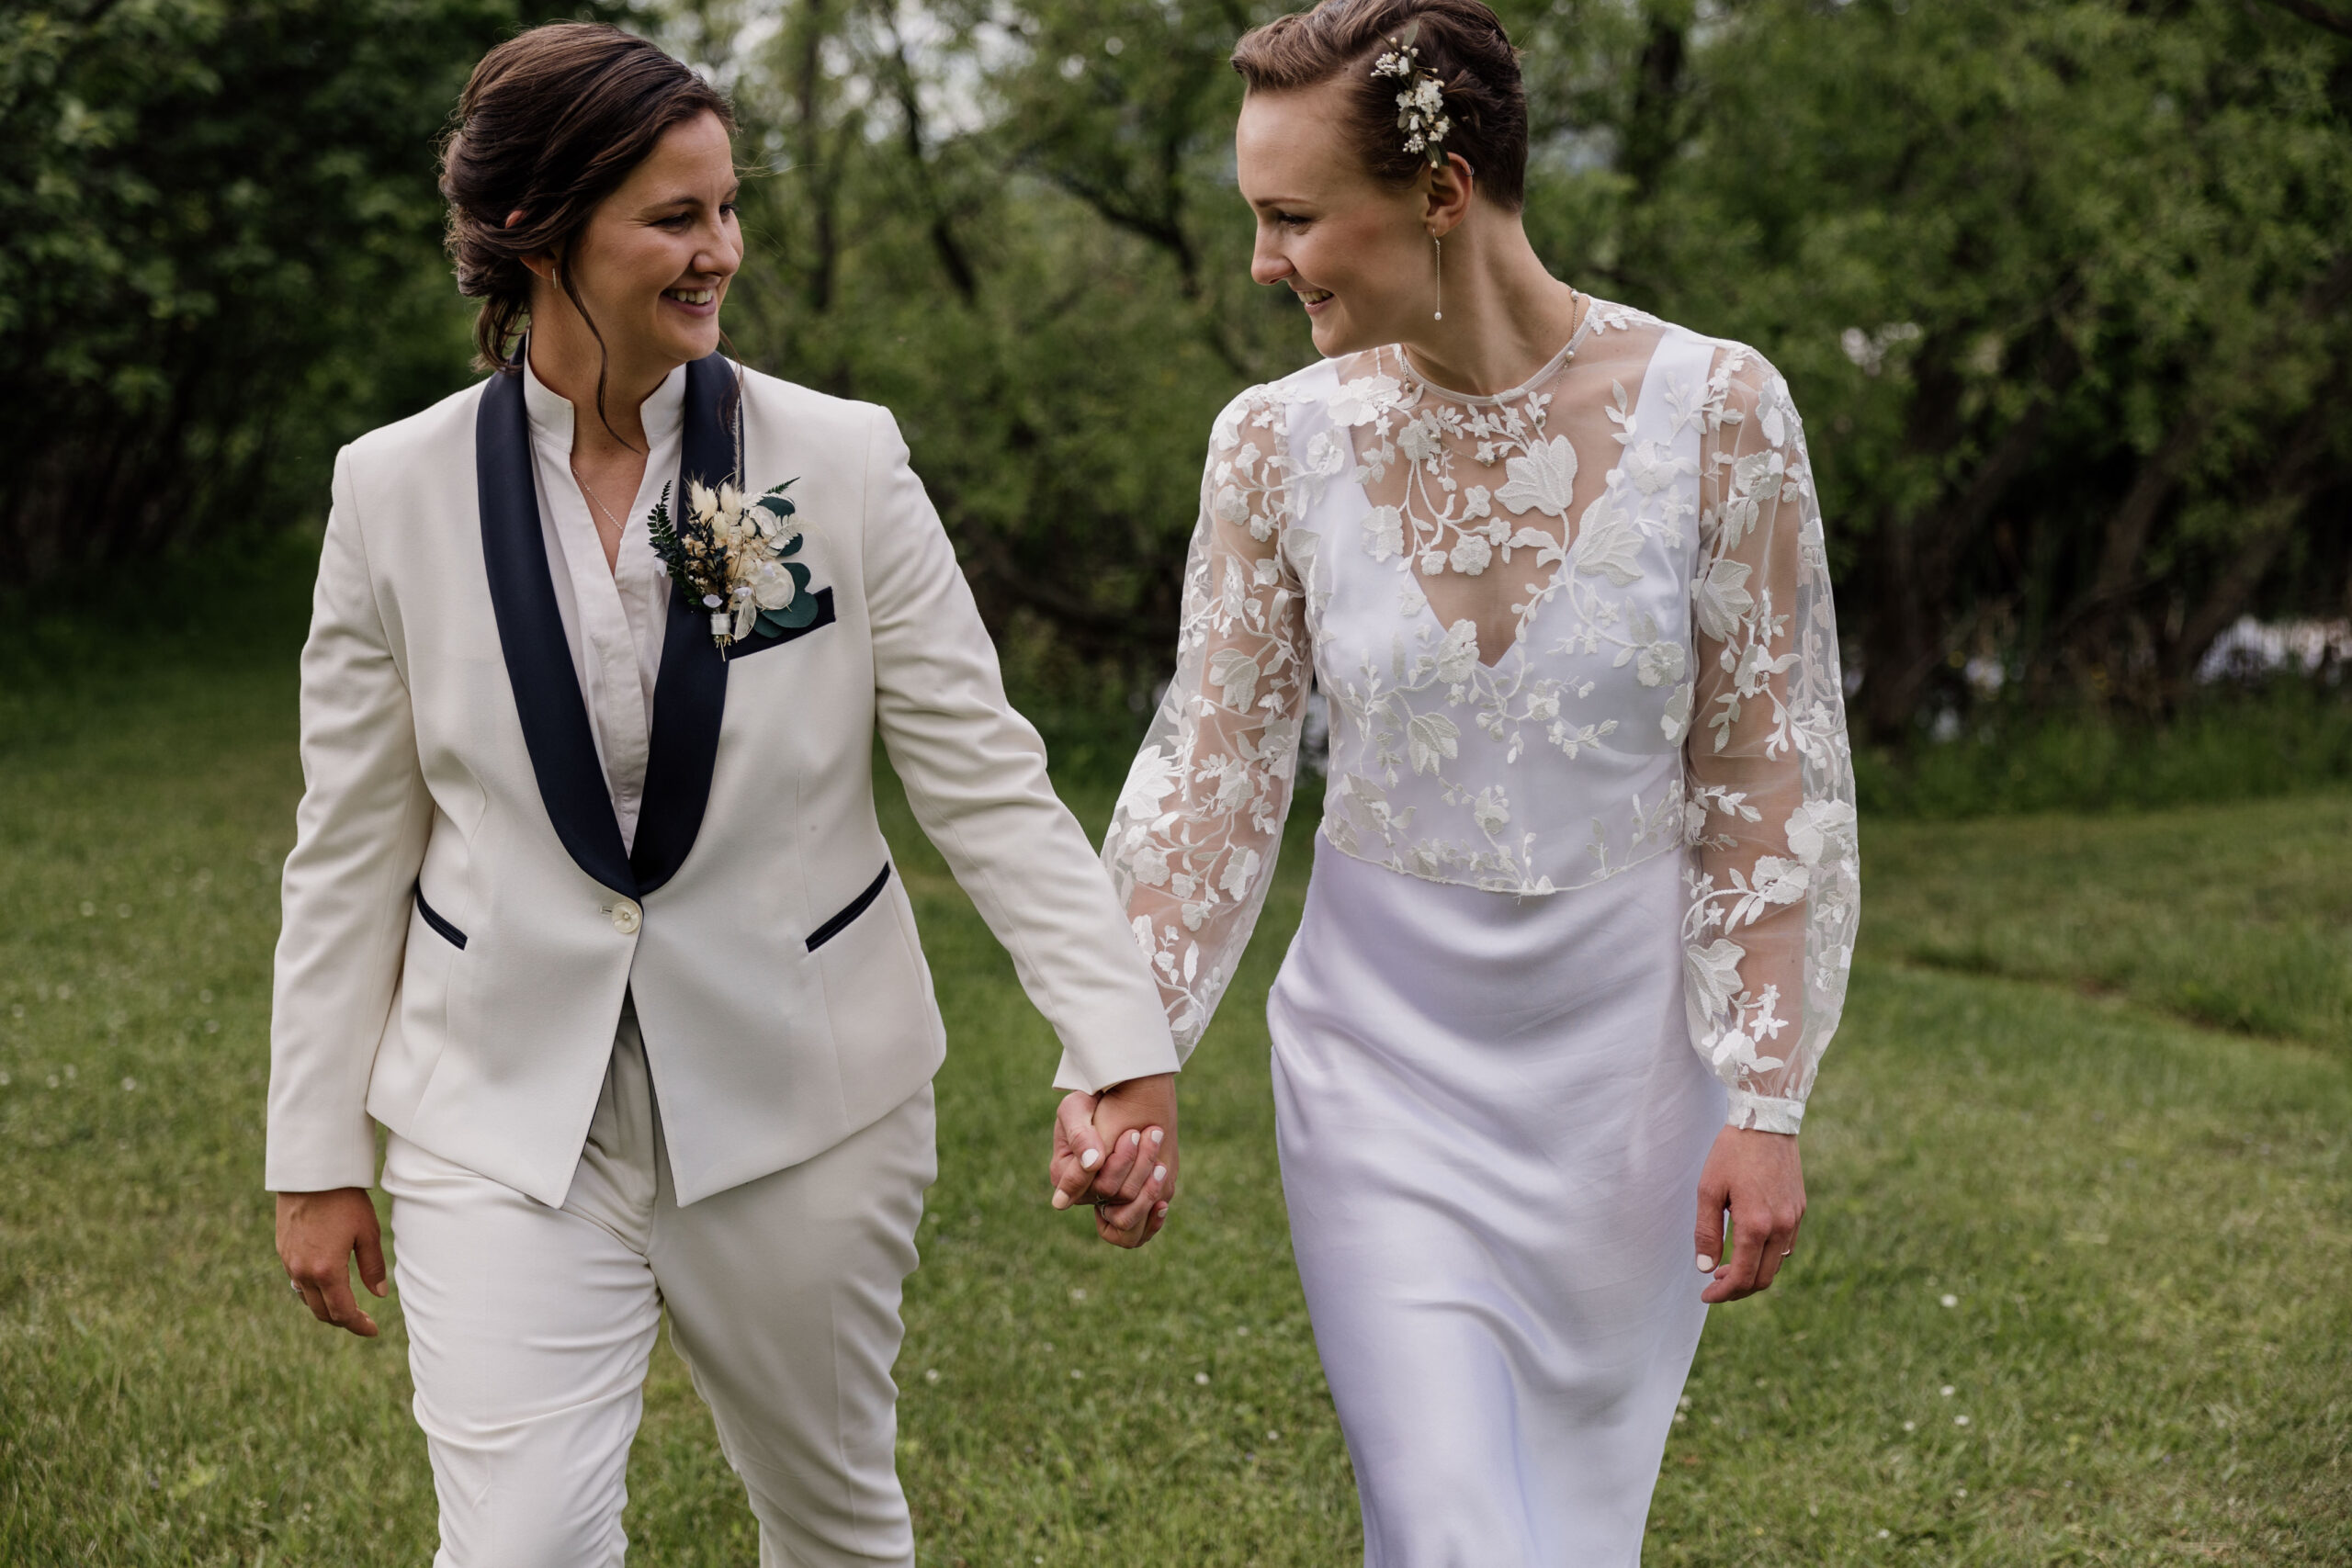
<point x="530" y="1328"/>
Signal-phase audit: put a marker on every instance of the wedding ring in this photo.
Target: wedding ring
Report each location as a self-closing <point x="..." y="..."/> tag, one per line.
<point x="1785" y="1254"/>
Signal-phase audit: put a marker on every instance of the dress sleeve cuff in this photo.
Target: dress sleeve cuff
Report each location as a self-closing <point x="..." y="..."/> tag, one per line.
<point x="1099" y="1073"/>
<point x="1764" y="1114"/>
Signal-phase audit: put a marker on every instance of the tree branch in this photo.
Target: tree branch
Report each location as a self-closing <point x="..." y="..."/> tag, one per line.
<point x="944" y="243"/>
<point x="2118" y="578"/>
<point x="2297" y="471"/>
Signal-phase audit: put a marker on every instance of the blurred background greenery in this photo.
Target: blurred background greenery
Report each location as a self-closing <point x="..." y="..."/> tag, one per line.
<point x="2061" y="285"/>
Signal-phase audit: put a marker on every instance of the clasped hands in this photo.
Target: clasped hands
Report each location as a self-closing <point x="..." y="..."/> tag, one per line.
<point x="1116" y="1151"/>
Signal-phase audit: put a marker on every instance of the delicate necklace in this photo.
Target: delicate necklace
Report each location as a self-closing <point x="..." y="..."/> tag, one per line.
<point x="1578" y="303"/>
<point x="589" y="490"/>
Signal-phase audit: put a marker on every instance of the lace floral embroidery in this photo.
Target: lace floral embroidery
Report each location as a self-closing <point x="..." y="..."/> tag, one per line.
<point x="1671" y="685"/>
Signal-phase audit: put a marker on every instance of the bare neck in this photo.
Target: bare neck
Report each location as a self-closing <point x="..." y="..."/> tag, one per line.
<point x="1505" y="315"/>
<point x="567" y="358"/>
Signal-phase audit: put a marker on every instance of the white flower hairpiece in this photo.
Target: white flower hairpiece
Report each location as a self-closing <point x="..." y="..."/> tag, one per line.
<point x="1420" y="108"/>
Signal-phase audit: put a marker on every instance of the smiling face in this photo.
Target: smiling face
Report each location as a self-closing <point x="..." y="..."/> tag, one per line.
<point x="1355" y="252"/>
<point x="655" y="259"/>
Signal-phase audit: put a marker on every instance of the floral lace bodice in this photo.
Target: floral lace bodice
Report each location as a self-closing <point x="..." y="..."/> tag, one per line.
<point x="1561" y="630"/>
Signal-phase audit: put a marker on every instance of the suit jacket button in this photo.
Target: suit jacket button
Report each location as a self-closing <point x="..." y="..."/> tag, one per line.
<point x="627" y="917"/>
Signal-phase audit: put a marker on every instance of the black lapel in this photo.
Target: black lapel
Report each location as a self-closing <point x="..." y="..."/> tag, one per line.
<point x="690" y="694"/>
<point x="530" y="630"/>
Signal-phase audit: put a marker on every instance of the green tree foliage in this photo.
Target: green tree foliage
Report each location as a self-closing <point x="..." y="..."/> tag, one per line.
<point x="217" y="258"/>
<point x="2064" y="287"/>
<point x="2085" y="264"/>
<point x="2060" y="283"/>
<point x="1017" y="230"/>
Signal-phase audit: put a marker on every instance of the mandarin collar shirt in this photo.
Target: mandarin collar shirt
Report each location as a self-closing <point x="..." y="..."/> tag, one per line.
<point x="614" y="616"/>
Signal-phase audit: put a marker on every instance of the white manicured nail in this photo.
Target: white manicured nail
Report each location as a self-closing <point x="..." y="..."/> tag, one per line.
<point x="1160" y="1173"/>
<point x="1090" y="1159"/>
<point x="1706" y="1263"/>
<point x="1134" y="1138"/>
<point x="1156" y="1136"/>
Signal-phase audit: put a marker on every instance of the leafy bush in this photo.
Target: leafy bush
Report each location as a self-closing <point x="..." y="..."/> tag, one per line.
<point x="219" y="261"/>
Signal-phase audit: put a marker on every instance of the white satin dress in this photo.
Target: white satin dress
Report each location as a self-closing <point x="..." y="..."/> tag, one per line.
<point x="1577" y="900"/>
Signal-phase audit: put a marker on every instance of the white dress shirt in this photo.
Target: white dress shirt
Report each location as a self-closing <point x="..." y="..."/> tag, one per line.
<point x="612" y="616"/>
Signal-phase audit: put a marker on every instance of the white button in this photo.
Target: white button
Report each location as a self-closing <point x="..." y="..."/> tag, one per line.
<point x="628" y="917"/>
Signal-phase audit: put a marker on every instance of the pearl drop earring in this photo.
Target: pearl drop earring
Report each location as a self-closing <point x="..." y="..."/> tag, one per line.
<point x="1438" y="246"/>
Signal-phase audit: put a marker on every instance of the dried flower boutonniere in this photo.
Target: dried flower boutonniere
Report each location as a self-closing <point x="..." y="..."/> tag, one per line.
<point x="731" y="556"/>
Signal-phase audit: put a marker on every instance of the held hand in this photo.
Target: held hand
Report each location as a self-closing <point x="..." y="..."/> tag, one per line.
<point x="317" y="1234"/>
<point x="1117" y="1150"/>
<point x="1758" y="1178"/>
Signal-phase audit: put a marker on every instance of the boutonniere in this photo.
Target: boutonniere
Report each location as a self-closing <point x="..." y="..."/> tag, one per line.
<point x="732" y="557"/>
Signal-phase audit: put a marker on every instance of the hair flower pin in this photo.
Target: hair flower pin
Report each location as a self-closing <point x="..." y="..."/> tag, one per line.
<point x="1420" y="108"/>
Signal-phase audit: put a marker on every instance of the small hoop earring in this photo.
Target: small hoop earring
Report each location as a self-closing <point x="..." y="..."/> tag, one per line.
<point x="1437" y="245"/>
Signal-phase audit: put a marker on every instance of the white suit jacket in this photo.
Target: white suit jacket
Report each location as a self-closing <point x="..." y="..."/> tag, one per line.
<point x="461" y="921"/>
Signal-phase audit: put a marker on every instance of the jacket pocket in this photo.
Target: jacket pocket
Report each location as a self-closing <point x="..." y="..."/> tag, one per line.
<point x="759" y="641"/>
<point x="841" y="919"/>
<point x="433" y="917"/>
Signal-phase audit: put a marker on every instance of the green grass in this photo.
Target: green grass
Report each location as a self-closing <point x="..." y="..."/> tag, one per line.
<point x="2228" y="743"/>
<point x="2237" y="916"/>
<point x="2144" y="1222"/>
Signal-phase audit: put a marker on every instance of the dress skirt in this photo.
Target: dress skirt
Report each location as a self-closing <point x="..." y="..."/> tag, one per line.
<point x="1491" y="1124"/>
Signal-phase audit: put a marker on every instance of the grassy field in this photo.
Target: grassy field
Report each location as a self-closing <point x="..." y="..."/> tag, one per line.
<point x="2076" y="1284"/>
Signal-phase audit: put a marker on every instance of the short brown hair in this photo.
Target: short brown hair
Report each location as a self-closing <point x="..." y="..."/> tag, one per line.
<point x="1461" y="42"/>
<point x="552" y="122"/>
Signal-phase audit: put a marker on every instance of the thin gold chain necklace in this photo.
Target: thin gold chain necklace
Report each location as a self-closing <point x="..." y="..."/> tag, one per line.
<point x="590" y="492"/>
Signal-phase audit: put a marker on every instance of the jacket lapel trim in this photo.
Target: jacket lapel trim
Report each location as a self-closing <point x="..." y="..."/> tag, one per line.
<point x="530" y="630"/>
<point x="690" y="693"/>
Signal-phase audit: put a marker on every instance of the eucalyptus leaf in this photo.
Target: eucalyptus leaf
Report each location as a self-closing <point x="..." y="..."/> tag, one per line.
<point x="791" y="618"/>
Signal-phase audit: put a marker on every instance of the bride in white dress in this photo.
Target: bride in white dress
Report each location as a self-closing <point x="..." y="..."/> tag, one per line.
<point x="1585" y="892"/>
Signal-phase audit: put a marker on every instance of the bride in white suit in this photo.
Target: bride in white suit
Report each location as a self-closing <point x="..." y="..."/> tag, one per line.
<point x="592" y="913"/>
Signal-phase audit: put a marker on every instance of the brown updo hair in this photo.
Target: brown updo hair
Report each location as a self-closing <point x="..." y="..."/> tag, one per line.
<point x="1461" y="42"/>
<point x="552" y="122"/>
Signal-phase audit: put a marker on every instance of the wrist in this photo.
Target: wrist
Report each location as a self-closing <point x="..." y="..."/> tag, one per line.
<point x="1750" y="1112"/>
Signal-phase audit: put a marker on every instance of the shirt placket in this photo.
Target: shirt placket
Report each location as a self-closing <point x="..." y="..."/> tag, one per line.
<point x="615" y="691"/>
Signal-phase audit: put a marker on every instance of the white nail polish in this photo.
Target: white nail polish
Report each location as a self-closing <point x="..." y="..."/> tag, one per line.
<point x="1160" y="1173"/>
<point x="1090" y="1159"/>
<point x="1706" y="1263"/>
<point x="1156" y="1136"/>
<point x="1134" y="1138"/>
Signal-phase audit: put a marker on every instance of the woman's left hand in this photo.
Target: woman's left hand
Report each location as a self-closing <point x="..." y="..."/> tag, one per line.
<point x="1758" y="1180"/>
<point x="1117" y="1151"/>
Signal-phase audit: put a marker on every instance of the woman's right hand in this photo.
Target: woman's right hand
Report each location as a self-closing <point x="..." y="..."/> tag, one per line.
<point x="1757" y="1180"/>
<point x="317" y="1235"/>
<point x="1117" y="1150"/>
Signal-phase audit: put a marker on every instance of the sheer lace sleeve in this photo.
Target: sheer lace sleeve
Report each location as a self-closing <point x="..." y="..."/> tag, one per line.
<point x="1192" y="845"/>
<point x="1770" y="933"/>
